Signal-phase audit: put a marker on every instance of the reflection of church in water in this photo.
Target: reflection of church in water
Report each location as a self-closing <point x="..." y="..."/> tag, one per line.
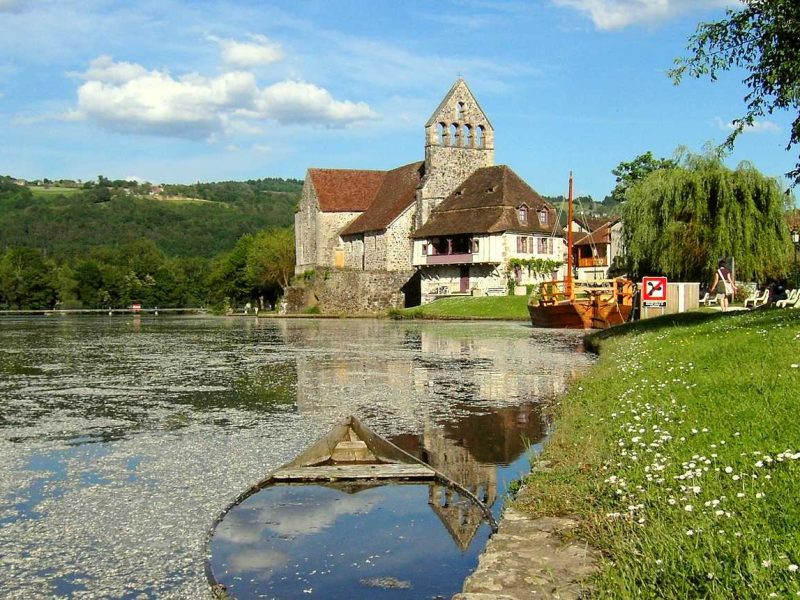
<point x="469" y="440"/>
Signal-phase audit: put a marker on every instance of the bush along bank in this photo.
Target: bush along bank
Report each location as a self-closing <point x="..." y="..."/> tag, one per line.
<point x="680" y="455"/>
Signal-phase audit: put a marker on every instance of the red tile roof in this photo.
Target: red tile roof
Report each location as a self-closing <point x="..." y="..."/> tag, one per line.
<point x="488" y="202"/>
<point x="345" y="190"/>
<point x="398" y="192"/>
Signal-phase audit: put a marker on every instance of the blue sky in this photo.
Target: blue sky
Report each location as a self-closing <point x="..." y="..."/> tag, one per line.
<point x="170" y="91"/>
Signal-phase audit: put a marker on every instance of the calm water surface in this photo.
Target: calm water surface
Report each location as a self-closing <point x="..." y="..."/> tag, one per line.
<point x="122" y="438"/>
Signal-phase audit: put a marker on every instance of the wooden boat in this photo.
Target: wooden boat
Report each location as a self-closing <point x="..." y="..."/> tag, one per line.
<point x="581" y="304"/>
<point x="350" y="455"/>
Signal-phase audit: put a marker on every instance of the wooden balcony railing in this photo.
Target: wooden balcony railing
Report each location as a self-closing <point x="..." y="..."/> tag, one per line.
<point x="599" y="261"/>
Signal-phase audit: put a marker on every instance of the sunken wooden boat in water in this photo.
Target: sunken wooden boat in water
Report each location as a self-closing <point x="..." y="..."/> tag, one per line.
<point x="352" y="458"/>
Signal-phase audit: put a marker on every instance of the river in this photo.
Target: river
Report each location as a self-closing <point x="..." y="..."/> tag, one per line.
<point x="122" y="437"/>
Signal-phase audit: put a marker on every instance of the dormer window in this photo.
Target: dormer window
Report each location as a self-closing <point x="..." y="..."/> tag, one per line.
<point x="522" y="214"/>
<point x="544" y="217"/>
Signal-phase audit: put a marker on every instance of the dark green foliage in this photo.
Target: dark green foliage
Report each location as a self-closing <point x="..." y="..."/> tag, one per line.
<point x="628" y="173"/>
<point x="236" y="191"/>
<point x="26" y="279"/>
<point x="679" y="222"/>
<point x="229" y="283"/>
<point x="761" y="38"/>
<point x="98" y="217"/>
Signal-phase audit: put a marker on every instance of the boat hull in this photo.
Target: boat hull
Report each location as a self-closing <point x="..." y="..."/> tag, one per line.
<point x="579" y="314"/>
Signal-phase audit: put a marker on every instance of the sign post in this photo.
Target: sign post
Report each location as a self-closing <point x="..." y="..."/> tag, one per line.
<point x="654" y="292"/>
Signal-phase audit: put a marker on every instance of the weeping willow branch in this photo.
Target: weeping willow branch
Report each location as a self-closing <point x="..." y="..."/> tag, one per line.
<point x="679" y="222"/>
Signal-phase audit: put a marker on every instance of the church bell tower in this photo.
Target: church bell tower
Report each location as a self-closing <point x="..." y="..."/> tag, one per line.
<point x="459" y="139"/>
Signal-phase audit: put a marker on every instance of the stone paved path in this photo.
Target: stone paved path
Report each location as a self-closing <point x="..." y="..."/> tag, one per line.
<point x="527" y="559"/>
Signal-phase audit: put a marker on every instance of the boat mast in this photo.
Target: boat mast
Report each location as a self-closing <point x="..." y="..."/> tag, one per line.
<point x="568" y="279"/>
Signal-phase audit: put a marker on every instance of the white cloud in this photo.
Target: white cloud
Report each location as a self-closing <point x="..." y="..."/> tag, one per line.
<point x="616" y="14"/>
<point x="299" y="102"/>
<point x="127" y="97"/>
<point x="259" y="51"/>
<point x="756" y="127"/>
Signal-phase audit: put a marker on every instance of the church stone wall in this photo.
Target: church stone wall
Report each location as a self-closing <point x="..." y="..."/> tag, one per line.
<point x="305" y="229"/>
<point x="328" y="227"/>
<point x="398" y="241"/>
<point x="341" y="291"/>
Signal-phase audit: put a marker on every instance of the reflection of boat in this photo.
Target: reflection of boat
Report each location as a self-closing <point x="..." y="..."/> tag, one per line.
<point x="352" y="458"/>
<point x="581" y="304"/>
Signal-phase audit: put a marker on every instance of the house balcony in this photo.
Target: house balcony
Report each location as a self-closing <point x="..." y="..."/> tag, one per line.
<point x="596" y="261"/>
<point x="450" y="259"/>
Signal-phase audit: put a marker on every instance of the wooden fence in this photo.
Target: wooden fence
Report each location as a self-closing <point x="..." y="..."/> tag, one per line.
<point x="681" y="297"/>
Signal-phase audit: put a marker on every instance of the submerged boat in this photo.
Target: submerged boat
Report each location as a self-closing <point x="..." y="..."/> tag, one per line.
<point x="573" y="304"/>
<point x="351" y="457"/>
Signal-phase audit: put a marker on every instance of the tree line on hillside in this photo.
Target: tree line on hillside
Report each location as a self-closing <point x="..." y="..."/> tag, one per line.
<point x="70" y="225"/>
<point x="255" y="270"/>
<point x="79" y="251"/>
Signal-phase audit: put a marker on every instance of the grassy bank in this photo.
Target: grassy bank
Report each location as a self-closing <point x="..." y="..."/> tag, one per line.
<point x="467" y="307"/>
<point x="680" y="454"/>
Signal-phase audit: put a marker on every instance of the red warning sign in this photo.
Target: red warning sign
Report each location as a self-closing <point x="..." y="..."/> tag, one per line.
<point x="654" y="291"/>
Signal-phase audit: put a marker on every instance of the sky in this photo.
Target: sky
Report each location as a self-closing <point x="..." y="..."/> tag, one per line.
<point x="172" y="91"/>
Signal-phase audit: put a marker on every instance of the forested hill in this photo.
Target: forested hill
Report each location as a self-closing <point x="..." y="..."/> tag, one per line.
<point x="199" y="220"/>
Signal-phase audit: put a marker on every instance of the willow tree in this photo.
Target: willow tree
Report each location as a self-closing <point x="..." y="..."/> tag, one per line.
<point x="679" y="222"/>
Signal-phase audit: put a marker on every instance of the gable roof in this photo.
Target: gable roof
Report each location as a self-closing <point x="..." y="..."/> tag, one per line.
<point x="460" y="83"/>
<point x="599" y="235"/>
<point x="487" y="202"/>
<point x="345" y="190"/>
<point x="397" y="192"/>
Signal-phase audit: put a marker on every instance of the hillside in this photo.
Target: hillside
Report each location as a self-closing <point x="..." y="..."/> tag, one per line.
<point x="200" y="220"/>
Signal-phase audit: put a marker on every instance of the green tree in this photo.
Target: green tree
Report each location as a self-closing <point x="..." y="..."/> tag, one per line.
<point x="26" y="279"/>
<point x="679" y="222"/>
<point x="89" y="288"/>
<point x="228" y="281"/>
<point x="762" y="38"/>
<point x="270" y="261"/>
<point x="628" y="173"/>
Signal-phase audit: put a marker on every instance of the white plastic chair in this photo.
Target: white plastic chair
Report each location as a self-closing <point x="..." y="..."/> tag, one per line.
<point x="704" y="300"/>
<point x="790" y="300"/>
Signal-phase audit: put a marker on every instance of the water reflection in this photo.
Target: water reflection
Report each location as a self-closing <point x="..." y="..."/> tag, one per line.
<point x="121" y="439"/>
<point x="335" y="541"/>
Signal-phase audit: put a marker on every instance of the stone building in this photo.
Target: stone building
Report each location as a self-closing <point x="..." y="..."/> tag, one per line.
<point x="353" y="221"/>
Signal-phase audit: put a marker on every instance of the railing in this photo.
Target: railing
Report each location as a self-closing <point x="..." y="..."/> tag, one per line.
<point x="594" y="261"/>
<point x="603" y="290"/>
<point x="449" y="259"/>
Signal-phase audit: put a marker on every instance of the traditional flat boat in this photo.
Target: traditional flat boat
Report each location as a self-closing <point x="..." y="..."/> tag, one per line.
<point x="581" y="304"/>
<point x="350" y="455"/>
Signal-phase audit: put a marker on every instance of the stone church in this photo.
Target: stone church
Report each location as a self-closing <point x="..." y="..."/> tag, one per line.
<point x="448" y="225"/>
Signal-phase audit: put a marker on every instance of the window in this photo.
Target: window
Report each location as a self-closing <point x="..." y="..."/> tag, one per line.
<point x="480" y="134"/>
<point x="475" y="246"/>
<point x="544" y="217"/>
<point x="522" y="244"/>
<point x="425" y="249"/>
<point x="522" y="214"/>
<point x="460" y="111"/>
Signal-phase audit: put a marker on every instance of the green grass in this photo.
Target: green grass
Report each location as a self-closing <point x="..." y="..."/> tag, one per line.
<point x="680" y="455"/>
<point x="41" y="192"/>
<point x="487" y="307"/>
